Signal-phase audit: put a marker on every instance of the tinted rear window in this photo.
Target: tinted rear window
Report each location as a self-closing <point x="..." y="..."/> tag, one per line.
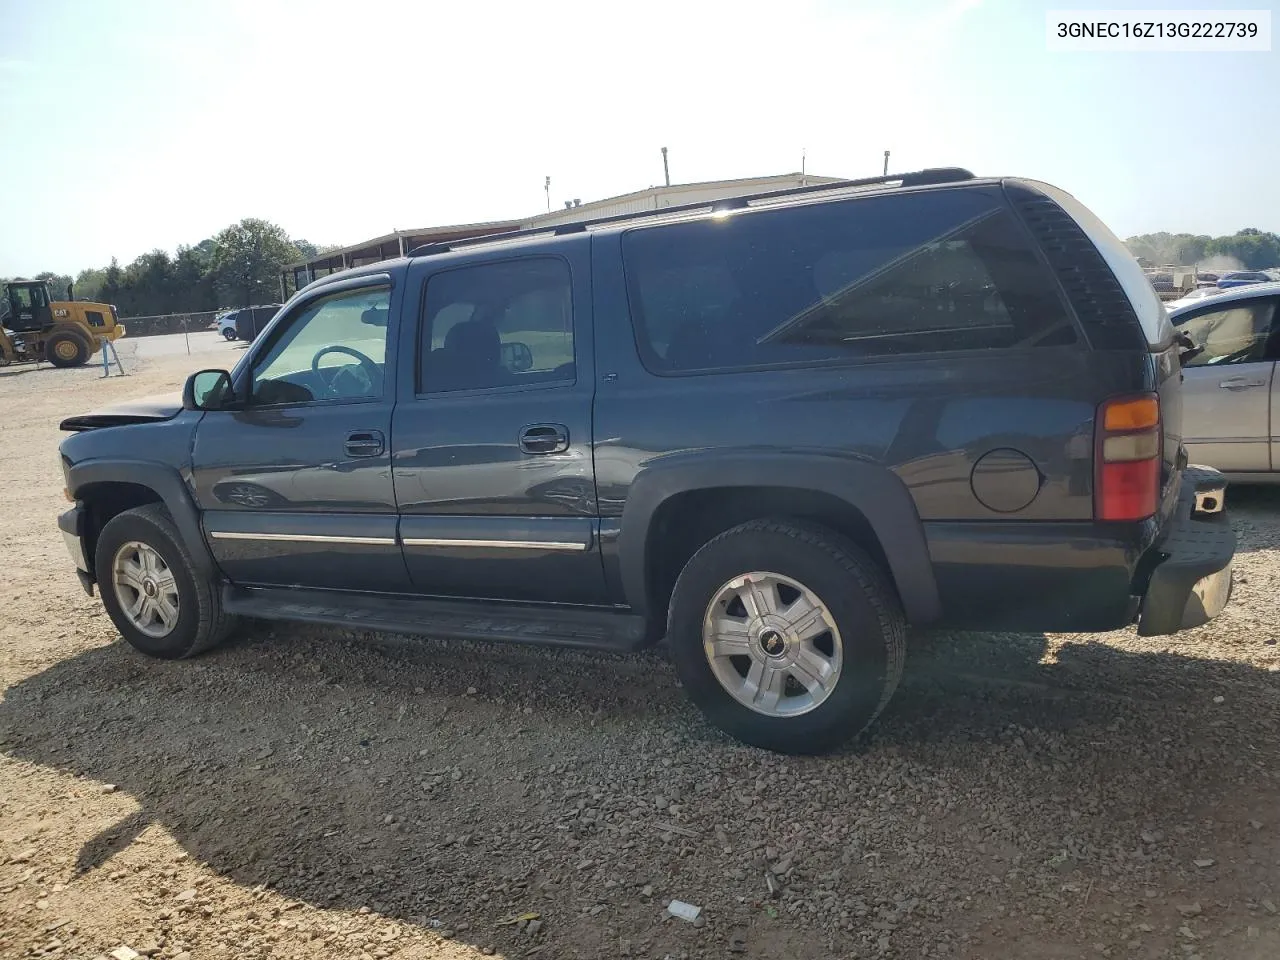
<point x="874" y="277"/>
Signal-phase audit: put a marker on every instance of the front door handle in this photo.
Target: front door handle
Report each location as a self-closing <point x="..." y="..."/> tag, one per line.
<point x="544" y="438"/>
<point x="365" y="443"/>
<point x="1241" y="383"/>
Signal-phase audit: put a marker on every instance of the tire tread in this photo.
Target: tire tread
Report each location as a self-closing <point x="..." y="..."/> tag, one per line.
<point x="213" y="623"/>
<point x="855" y="562"/>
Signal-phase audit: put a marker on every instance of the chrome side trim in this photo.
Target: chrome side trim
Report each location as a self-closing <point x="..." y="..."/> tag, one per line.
<point x="500" y="544"/>
<point x="300" y="538"/>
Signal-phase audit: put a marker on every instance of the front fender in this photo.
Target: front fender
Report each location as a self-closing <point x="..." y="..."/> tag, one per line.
<point x="168" y="485"/>
<point x="876" y="492"/>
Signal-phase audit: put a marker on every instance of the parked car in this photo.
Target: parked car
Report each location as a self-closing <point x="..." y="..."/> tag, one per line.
<point x="226" y="325"/>
<point x="777" y="431"/>
<point x="251" y="321"/>
<point x="1229" y="392"/>
<point x="1242" y="278"/>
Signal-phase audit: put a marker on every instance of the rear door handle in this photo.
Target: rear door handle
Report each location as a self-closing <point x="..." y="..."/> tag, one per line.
<point x="1240" y="383"/>
<point x="544" y="438"/>
<point x="365" y="443"/>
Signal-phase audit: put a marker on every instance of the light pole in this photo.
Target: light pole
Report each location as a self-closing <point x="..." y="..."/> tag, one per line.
<point x="547" y="187"/>
<point x="886" y="163"/>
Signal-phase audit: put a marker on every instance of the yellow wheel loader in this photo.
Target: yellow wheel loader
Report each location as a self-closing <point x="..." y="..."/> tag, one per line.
<point x="66" y="333"/>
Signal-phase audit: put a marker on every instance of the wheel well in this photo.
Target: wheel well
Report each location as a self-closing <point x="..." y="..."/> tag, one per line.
<point x="102" y="501"/>
<point x="686" y="521"/>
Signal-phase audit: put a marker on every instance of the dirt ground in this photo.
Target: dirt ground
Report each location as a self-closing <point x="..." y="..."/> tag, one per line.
<point x="310" y="793"/>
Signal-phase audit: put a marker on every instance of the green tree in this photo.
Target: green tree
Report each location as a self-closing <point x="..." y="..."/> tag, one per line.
<point x="112" y="279"/>
<point x="148" y="285"/>
<point x="192" y="279"/>
<point x="247" y="260"/>
<point x="89" y="284"/>
<point x="1252" y="247"/>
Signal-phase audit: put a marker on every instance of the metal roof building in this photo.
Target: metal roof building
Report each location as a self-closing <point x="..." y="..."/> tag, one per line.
<point x="399" y="242"/>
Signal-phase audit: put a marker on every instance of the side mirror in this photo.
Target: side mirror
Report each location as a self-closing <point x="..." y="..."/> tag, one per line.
<point x="517" y="356"/>
<point x="207" y="390"/>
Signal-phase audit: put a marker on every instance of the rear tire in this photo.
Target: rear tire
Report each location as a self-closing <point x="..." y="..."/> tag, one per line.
<point x="800" y="687"/>
<point x="66" y="348"/>
<point x="151" y="589"/>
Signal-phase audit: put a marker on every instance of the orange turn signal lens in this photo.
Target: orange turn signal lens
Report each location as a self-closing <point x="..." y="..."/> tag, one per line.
<point x="1139" y="413"/>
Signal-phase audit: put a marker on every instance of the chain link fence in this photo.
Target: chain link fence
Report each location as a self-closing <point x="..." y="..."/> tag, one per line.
<point x="170" y="323"/>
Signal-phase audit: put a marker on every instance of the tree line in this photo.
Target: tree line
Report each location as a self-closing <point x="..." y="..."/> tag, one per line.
<point x="236" y="267"/>
<point x="1251" y="247"/>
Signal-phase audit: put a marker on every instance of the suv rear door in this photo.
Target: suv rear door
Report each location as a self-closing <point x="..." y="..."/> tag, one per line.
<point x="492" y="433"/>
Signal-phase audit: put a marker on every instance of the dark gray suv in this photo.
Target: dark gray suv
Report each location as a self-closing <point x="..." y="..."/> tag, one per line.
<point x="775" y="430"/>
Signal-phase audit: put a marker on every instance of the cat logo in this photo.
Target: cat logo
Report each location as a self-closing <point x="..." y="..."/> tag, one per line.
<point x="60" y="312"/>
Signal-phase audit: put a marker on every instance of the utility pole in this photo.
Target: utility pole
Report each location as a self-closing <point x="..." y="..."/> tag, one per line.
<point x="666" y="172"/>
<point x="547" y="187"/>
<point x="886" y="163"/>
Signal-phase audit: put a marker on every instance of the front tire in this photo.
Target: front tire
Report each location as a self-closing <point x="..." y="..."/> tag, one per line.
<point x="229" y="335"/>
<point x="66" y="348"/>
<point x="786" y="636"/>
<point x="151" y="589"/>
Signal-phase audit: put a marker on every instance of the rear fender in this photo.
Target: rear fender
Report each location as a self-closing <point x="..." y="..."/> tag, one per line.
<point x="876" y="492"/>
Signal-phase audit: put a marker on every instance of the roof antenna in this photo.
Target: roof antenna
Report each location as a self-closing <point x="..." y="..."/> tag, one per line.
<point x="547" y="187"/>
<point x="666" y="172"/>
<point x="886" y="163"/>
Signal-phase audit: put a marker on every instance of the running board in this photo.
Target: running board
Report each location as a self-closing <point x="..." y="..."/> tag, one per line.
<point x="586" y="627"/>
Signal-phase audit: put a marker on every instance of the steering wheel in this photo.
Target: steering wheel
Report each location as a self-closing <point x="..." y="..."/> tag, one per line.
<point x="331" y="380"/>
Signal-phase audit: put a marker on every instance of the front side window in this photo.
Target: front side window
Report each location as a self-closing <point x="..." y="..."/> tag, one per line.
<point x="873" y="277"/>
<point x="21" y="297"/>
<point x="496" y="325"/>
<point x="1237" y="334"/>
<point x="333" y="348"/>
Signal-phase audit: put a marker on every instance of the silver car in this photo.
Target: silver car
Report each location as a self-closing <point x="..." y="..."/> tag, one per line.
<point x="1231" y="401"/>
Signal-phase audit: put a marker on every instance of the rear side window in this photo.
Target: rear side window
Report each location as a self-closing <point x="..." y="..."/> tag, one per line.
<point x="875" y="277"/>
<point x="503" y="324"/>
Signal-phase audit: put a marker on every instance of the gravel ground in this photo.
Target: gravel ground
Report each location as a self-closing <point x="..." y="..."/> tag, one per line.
<point x="312" y="793"/>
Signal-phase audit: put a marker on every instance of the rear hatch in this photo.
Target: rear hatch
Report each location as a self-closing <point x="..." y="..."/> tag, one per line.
<point x="1116" y="304"/>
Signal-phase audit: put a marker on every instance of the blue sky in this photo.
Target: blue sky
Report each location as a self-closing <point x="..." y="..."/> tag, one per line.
<point x="135" y="124"/>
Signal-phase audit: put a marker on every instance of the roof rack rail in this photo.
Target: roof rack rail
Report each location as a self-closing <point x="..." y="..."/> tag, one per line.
<point x="918" y="178"/>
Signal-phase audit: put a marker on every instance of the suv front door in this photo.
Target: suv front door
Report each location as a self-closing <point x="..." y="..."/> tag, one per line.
<point x="295" y="484"/>
<point x="492" y="457"/>
<point x="1226" y="405"/>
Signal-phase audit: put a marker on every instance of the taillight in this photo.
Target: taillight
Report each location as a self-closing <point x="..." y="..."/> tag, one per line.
<point x="1127" y="455"/>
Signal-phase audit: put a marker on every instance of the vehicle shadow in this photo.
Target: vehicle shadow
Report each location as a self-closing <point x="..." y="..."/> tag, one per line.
<point x="463" y="781"/>
<point x="17" y="369"/>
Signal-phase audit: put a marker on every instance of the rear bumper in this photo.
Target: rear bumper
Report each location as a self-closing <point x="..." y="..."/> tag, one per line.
<point x="1191" y="582"/>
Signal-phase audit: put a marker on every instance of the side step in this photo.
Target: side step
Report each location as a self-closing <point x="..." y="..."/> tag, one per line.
<point x="585" y="627"/>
